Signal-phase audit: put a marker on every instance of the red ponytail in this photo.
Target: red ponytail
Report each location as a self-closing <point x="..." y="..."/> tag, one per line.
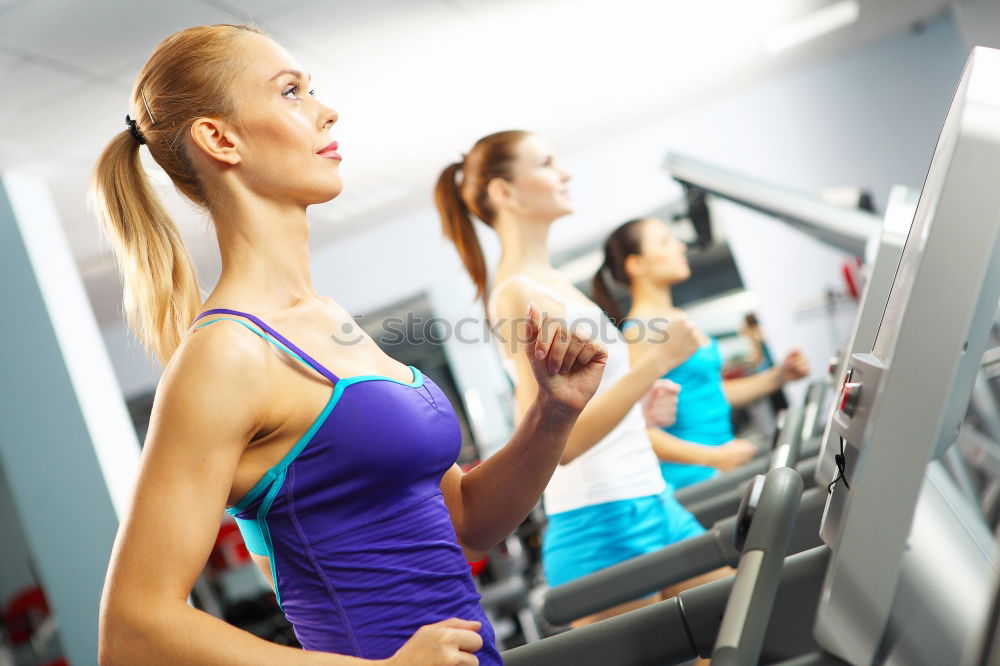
<point x="457" y="226"/>
<point x="457" y="202"/>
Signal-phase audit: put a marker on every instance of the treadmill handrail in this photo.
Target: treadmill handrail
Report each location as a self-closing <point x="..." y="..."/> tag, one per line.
<point x="744" y="623"/>
<point x="668" y="632"/>
<point x="652" y="572"/>
<point x="844" y="228"/>
<point x="814" y="417"/>
<point x="705" y="490"/>
<point x="789" y="441"/>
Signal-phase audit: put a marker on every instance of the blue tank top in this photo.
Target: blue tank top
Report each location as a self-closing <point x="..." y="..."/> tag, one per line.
<point x="703" y="413"/>
<point x="361" y="544"/>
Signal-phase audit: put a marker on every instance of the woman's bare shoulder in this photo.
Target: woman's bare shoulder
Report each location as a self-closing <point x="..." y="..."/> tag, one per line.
<point x="514" y="292"/>
<point x="221" y="370"/>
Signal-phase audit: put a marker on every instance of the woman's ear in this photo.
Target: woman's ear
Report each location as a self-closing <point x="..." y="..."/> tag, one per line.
<point x="216" y="140"/>
<point x="499" y="193"/>
<point x="634" y="265"/>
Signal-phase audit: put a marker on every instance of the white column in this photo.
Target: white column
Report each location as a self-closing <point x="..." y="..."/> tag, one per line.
<point x="67" y="446"/>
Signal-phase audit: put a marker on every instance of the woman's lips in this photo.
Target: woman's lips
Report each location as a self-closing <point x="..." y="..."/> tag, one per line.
<point x="330" y="152"/>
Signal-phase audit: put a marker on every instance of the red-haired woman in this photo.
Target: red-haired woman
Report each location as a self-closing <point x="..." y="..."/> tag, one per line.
<point x="607" y="501"/>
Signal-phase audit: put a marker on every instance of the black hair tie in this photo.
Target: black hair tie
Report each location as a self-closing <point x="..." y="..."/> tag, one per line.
<point x="133" y="127"/>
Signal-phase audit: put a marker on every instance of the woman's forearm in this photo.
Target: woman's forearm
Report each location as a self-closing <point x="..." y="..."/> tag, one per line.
<point x="605" y="411"/>
<point x="499" y="493"/>
<point x="674" y="449"/>
<point x="175" y="633"/>
<point x="744" y="390"/>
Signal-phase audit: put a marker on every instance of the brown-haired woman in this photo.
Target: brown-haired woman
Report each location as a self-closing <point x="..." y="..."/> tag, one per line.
<point x="607" y="501"/>
<point x="358" y="517"/>
<point x="644" y="256"/>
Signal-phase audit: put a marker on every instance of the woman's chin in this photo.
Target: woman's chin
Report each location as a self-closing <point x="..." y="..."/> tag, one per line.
<point x="331" y="192"/>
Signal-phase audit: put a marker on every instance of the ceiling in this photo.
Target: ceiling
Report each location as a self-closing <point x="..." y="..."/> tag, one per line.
<point x="414" y="81"/>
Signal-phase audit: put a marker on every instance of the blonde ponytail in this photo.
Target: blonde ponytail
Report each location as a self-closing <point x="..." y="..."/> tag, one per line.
<point x="188" y="76"/>
<point x="161" y="294"/>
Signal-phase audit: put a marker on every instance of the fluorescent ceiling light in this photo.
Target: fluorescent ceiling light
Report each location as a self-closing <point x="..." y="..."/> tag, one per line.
<point x="812" y="25"/>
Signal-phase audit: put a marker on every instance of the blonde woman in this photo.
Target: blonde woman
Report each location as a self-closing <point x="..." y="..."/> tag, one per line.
<point x="337" y="461"/>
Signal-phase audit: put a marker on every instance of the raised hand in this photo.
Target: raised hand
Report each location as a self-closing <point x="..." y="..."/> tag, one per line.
<point x="733" y="453"/>
<point x="446" y="643"/>
<point x="795" y="366"/>
<point x="671" y="345"/>
<point x="567" y="366"/>
<point x="659" y="404"/>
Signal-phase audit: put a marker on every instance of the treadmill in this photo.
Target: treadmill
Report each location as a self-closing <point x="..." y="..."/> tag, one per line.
<point x="907" y="566"/>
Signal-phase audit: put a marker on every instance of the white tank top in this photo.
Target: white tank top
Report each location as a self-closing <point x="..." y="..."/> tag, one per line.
<point x="620" y="466"/>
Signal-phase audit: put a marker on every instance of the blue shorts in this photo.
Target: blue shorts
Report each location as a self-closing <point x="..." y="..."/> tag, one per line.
<point x="591" y="538"/>
<point x="681" y="475"/>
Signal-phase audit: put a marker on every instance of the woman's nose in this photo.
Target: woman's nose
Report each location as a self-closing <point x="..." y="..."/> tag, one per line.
<point x="328" y="116"/>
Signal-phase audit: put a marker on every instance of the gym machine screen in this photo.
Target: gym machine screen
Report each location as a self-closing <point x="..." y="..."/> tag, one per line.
<point x="901" y="405"/>
<point x="927" y="208"/>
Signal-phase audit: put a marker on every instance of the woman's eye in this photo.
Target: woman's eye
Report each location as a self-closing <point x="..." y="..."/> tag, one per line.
<point x="293" y="92"/>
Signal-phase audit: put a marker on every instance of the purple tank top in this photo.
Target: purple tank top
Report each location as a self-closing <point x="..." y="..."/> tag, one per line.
<point x="362" y="549"/>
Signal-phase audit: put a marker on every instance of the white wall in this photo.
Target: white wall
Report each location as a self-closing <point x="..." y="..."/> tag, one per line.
<point x="978" y="22"/>
<point x="870" y="117"/>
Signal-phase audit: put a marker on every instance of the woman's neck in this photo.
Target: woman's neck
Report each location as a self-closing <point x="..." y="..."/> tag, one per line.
<point x="525" y="244"/>
<point x="649" y="298"/>
<point x="265" y="254"/>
